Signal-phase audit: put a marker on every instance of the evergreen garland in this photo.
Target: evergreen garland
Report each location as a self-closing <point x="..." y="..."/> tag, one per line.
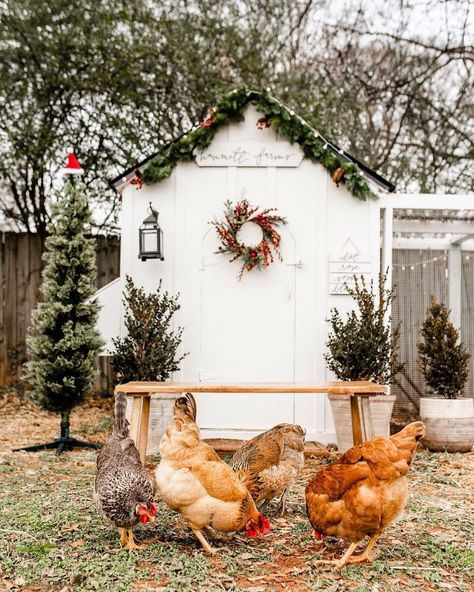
<point x="231" y="108"/>
<point x="63" y="340"/>
<point x="443" y="361"/>
<point x="363" y="346"/>
<point x="148" y="352"/>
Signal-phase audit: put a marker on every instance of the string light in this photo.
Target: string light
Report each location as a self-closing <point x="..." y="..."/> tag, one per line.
<point x="413" y="266"/>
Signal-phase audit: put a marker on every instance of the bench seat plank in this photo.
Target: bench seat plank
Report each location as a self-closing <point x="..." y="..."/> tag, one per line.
<point x="142" y="391"/>
<point x="355" y="387"/>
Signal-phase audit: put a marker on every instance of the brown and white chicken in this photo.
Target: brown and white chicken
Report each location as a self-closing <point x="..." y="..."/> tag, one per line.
<point x="193" y="480"/>
<point x="363" y="492"/>
<point x="269" y="464"/>
<point x="123" y="492"/>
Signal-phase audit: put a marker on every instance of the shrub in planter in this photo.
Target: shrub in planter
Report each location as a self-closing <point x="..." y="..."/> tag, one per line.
<point x="444" y="360"/>
<point x="363" y="346"/>
<point x="149" y="350"/>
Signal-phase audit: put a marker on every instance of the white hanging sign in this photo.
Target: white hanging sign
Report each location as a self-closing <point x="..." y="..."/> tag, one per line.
<point x="343" y="266"/>
<point x="250" y="154"/>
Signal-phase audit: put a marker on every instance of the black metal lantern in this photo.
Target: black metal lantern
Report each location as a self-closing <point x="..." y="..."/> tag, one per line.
<point x="151" y="238"/>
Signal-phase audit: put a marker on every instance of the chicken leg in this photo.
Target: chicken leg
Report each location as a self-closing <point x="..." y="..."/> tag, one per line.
<point x="366" y="555"/>
<point x="207" y="547"/>
<point x="127" y="540"/>
<point x="281" y="507"/>
<point x="218" y="535"/>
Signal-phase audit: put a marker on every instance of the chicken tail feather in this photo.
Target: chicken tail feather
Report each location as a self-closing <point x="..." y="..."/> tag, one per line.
<point x="121" y="423"/>
<point x="186" y="406"/>
<point x="407" y="438"/>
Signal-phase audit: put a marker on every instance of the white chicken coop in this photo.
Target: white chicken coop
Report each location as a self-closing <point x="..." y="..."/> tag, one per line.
<point x="271" y="325"/>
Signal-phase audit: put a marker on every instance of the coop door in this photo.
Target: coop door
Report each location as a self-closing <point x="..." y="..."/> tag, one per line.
<point x="247" y="334"/>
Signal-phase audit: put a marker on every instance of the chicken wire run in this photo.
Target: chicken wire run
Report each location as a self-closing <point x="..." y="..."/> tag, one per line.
<point x="432" y="253"/>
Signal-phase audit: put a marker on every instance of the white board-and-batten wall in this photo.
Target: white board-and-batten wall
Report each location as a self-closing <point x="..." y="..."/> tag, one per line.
<point x="270" y="326"/>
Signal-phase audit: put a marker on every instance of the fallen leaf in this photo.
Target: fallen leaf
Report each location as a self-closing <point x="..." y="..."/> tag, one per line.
<point x="246" y="556"/>
<point x="19" y="581"/>
<point x="78" y="543"/>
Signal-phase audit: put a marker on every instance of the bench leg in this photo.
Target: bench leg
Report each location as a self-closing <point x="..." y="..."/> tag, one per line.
<point x="355" y="417"/>
<point x="143" y="434"/>
<point x="135" y="419"/>
<point x="366" y="418"/>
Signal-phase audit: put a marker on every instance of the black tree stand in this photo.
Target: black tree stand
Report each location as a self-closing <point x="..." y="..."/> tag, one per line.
<point x="63" y="442"/>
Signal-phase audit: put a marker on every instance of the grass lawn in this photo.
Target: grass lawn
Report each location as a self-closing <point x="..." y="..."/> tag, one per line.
<point x="52" y="538"/>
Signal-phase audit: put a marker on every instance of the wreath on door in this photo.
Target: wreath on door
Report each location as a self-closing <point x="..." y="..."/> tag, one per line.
<point x="259" y="255"/>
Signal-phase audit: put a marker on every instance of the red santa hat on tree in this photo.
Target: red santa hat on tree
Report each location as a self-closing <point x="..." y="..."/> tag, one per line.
<point x="72" y="167"/>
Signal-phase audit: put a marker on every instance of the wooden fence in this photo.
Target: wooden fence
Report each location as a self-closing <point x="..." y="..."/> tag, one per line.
<point x="20" y="280"/>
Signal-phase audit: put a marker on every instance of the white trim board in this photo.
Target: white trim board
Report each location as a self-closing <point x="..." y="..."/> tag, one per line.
<point x="427" y="201"/>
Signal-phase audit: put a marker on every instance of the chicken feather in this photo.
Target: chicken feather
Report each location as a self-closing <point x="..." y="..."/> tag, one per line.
<point x="363" y="492"/>
<point x="123" y="492"/>
<point x="269" y="463"/>
<point x="194" y="481"/>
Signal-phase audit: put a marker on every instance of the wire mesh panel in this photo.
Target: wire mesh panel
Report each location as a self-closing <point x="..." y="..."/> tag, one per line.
<point x="467" y="314"/>
<point x="416" y="276"/>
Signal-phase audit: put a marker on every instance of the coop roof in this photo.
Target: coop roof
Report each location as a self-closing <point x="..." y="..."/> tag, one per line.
<point x="435" y="227"/>
<point x="230" y="108"/>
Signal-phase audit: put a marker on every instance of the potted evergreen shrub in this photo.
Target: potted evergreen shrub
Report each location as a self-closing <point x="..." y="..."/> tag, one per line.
<point x="363" y="346"/>
<point x="443" y="359"/>
<point x="149" y="350"/>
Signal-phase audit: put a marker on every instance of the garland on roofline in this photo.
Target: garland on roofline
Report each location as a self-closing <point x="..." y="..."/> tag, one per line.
<point x="231" y="109"/>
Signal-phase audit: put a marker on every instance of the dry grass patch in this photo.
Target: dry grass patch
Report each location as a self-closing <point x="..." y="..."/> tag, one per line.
<point x="53" y="540"/>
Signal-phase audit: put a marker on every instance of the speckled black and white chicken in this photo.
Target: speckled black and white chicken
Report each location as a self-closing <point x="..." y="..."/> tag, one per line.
<point x="123" y="491"/>
<point x="269" y="464"/>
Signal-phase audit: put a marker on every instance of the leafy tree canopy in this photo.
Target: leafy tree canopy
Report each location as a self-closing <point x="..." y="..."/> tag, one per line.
<point x="117" y="79"/>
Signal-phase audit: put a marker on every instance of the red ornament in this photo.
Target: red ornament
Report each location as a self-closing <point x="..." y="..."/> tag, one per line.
<point x="137" y="179"/>
<point x="210" y="118"/>
<point x="264" y="122"/>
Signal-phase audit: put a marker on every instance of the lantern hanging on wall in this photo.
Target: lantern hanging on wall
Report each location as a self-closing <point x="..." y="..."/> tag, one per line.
<point x="150" y="238"/>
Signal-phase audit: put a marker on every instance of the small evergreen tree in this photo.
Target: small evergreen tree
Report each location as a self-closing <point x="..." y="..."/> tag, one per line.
<point x="148" y="352"/>
<point x="63" y="340"/>
<point x="364" y="347"/>
<point x="443" y="361"/>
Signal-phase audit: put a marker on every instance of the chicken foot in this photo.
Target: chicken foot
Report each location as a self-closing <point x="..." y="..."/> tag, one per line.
<point x="207" y="547"/>
<point x="127" y="540"/>
<point x="338" y="562"/>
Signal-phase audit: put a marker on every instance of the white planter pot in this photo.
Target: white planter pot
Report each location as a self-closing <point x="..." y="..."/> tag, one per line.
<point x="449" y="424"/>
<point x="161" y="415"/>
<point x="381" y="407"/>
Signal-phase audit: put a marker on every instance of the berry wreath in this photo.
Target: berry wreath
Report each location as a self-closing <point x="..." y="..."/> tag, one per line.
<point x="259" y="255"/>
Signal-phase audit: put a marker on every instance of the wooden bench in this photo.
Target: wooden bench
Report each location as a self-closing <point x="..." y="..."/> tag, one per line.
<point x="142" y="391"/>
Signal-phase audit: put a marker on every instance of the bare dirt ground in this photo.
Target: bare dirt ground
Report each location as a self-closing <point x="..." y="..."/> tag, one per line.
<point x="53" y="540"/>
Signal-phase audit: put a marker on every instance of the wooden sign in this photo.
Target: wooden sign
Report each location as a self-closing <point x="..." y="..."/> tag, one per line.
<point x="250" y="154"/>
<point x="342" y="268"/>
